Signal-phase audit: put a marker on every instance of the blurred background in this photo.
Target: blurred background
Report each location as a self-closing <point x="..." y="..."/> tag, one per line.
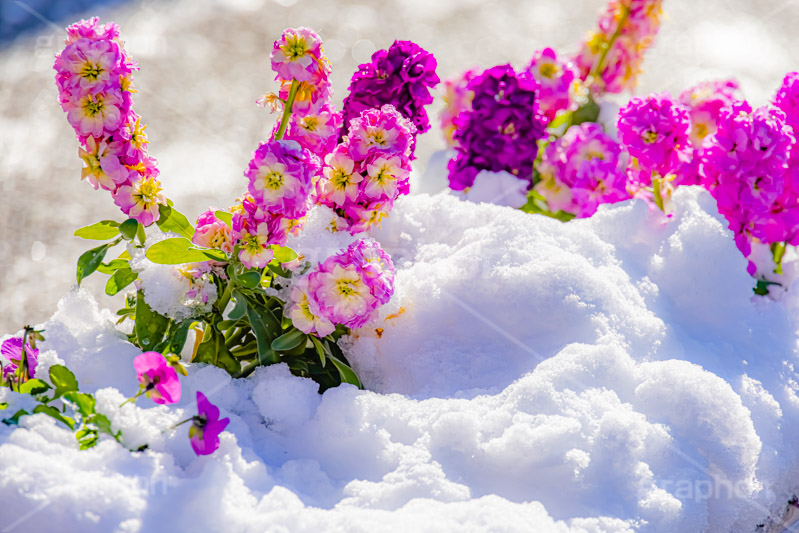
<point x="204" y="63"/>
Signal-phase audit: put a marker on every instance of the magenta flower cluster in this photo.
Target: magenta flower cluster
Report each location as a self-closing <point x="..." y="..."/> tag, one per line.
<point x="368" y="170"/>
<point x="704" y="103"/>
<point x="347" y="288"/>
<point x="654" y="130"/>
<point x="582" y="169"/>
<point x="557" y="79"/>
<point x="281" y="185"/>
<point x="501" y="130"/>
<point x="745" y="166"/>
<point x="787" y="100"/>
<point x="402" y="76"/>
<point x="11" y="350"/>
<point x="94" y="79"/>
<point x="627" y="28"/>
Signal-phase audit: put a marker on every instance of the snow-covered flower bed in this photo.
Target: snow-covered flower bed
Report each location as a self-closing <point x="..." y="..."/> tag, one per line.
<point x="609" y="374"/>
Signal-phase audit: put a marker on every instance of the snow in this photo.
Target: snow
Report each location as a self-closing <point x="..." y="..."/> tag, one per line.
<point x="607" y="374"/>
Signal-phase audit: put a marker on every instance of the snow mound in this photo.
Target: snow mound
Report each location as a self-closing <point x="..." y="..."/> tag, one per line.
<point x="608" y="374"/>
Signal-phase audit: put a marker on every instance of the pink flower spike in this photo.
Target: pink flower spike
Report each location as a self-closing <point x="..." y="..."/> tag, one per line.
<point x="206" y="427"/>
<point x="158" y="379"/>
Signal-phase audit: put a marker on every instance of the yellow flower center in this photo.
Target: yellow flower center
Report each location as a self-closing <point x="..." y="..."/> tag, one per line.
<point x="650" y="136"/>
<point x="148" y="191"/>
<point x="295" y="47"/>
<point x="345" y="287"/>
<point x="93" y="105"/>
<point x="548" y="70"/>
<point x="378" y="136"/>
<point x="310" y="123"/>
<point x="273" y="180"/>
<point x="91" y="71"/>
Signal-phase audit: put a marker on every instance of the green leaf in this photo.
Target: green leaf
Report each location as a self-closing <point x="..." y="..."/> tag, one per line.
<point x="178" y="335"/>
<point x="150" y="326"/>
<point x="101" y="231"/>
<point x="129" y="228"/>
<point x="561" y="119"/>
<point x="266" y="354"/>
<point x="174" y="251"/>
<point x="90" y="260"/>
<point x="121" y="279"/>
<point x="284" y="254"/>
<point x="289" y="340"/>
<point x="249" y="280"/>
<point x="320" y="349"/>
<point x="63" y="380"/>
<point x="588" y="112"/>
<point x="14" y="419"/>
<point x="55" y="413"/>
<point x="240" y="309"/>
<point x="213" y="351"/>
<point x="173" y="220"/>
<point x="3" y="405"/>
<point x="83" y="402"/>
<point x="347" y="374"/>
<point x="34" y="387"/>
<point x="87" y="438"/>
<point x="225" y="217"/>
<point x="104" y="426"/>
<point x="140" y="234"/>
<point x="112" y="266"/>
<point x="212" y="253"/>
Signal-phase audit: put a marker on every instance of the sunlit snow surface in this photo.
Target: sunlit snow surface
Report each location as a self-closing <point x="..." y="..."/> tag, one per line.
<point x="609" y="374"/>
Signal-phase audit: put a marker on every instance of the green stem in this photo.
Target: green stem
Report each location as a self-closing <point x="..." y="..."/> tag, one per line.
<point x="777" y="253"/>
<point x="284" y="122"/>
<point x="22" y="368"/>
<point x="597" y="70"/>
<point x="246" y="371"/>
<point x="221" y="304"/>
<point x="234" y="338"/>
<point x="133" y="399"/>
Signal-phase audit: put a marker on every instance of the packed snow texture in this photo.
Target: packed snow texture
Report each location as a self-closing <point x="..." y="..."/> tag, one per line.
<point x="607" y="374"/>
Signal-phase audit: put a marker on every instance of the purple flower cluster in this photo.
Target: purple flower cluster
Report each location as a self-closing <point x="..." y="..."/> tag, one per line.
<point x="501" y="130"/>
<point x="94" y="79"/>
<point x="281" y="177"/>
<point x="627" y="28"/>
<point x="557" y="79"/>
<point x="347" y="288"/>
<point x="744" y="165"/>
<point x="581" y="170"/>
<point x="368" y="170"/>
<point x="402" y="76"/>
<point x="654" y="130"/>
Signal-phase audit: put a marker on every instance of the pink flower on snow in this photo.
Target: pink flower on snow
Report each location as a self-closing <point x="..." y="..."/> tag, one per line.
<point x="158" y="379"/>
<point x="206" y="427"/>
<point x="11" y="351"/>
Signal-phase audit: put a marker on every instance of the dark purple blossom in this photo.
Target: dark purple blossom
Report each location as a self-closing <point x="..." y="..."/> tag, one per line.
<point x="501" y="130"/>
<point x="402" y="76"/>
